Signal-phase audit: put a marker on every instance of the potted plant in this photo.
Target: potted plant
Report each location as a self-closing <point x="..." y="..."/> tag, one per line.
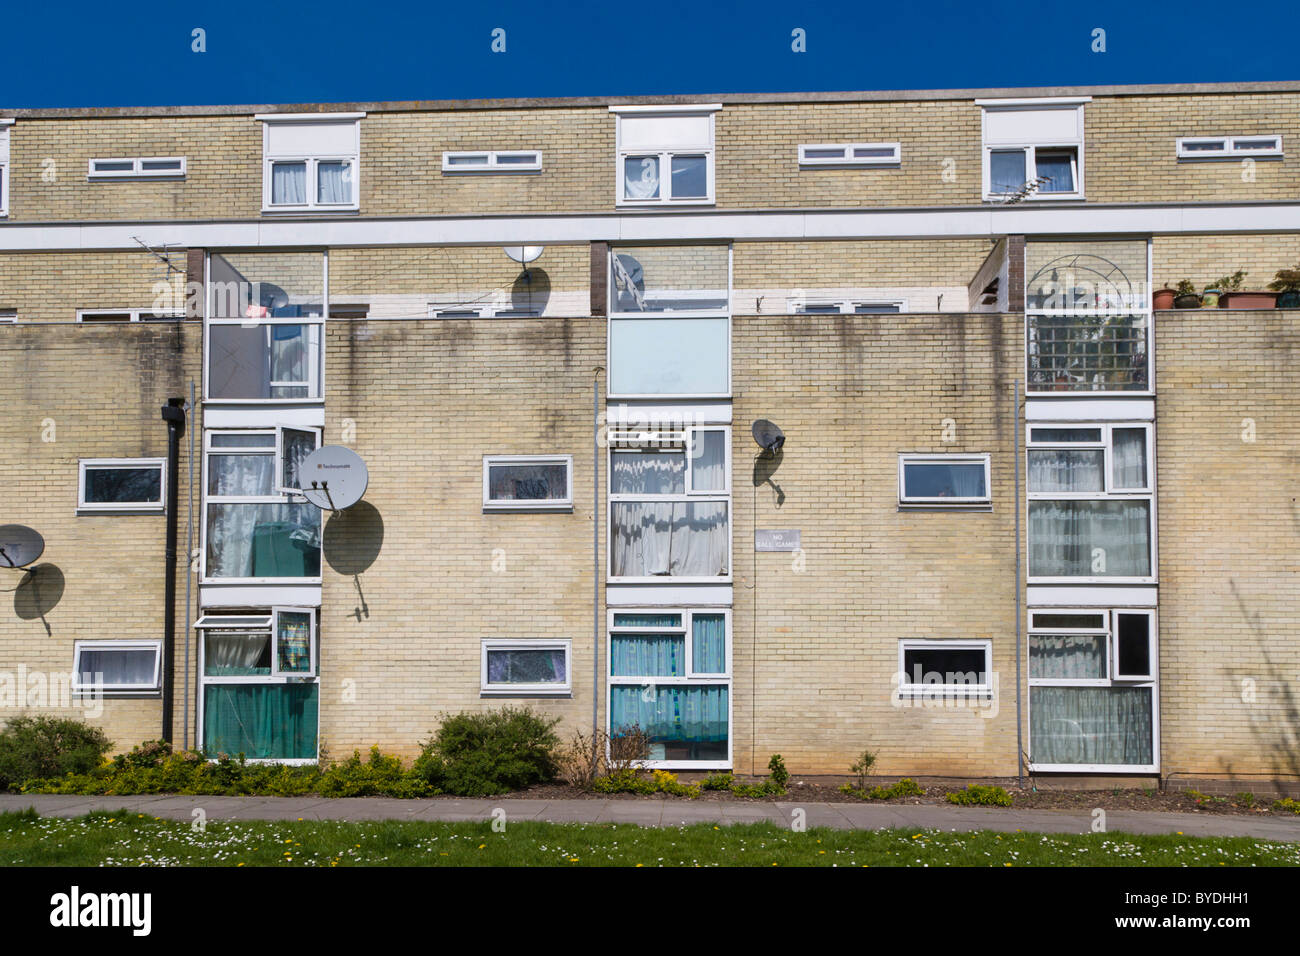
<point x="1163" y="298"/>
<point x="1186" y="297"/>
<point x="1286" y="283"/>
<point x="1216" y="289"/>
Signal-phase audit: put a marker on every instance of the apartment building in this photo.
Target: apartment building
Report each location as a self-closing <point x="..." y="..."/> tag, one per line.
<point x="1020" y="514"/>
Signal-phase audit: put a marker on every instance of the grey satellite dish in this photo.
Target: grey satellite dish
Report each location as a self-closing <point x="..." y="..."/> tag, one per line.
<point x="19" y="546"/>
<point x="769" y="437"/>
<point x="334" y="477"/>
<point x="524" y="254"/>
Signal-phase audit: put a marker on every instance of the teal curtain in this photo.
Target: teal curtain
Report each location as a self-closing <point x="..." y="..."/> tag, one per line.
<point x="672" y="713"/>
<point x="647" y="620"/>
<point x="1090" y="725"/>
<point x="648" y="655"/>
<point x="709" y="633"/>
<point x="276" y="721"/>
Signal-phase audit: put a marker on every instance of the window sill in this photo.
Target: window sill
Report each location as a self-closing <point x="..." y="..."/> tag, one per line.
<point x="1001" y="200"/>
<point x="85" y="512"/>
<point x="315" y="212"/>
<point x="117" y="694"/>
<point x="652" y="204"/>
<point x="984" y="507"/>
<point x="485" y="692"/>
<point x="558" y="508"/>
<point x="669" y="579"/>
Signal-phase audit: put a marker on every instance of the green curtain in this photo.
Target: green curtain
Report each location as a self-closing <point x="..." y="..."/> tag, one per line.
<point x="275" y="721"/>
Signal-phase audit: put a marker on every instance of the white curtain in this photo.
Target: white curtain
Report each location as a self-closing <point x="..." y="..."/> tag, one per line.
<point x="641" y="177"/>
<point x="1129" y="457"/>
<point x="288" y="183"/>
<point x="298" y="446"/>
<point x="707" y="467"/>
<point x="236" y="655"/>
<point x="113" y="666"/>
<point x="1067" y="656"/>
<point x="672" y="538"/>
<point x="334" y="182"/>
<point x="648" y="473"/>
<point x="1066" y="470"/>
<point x="968" y="481"/>
<point x="1089" y="538"/>
<point x="1090" y="725"/>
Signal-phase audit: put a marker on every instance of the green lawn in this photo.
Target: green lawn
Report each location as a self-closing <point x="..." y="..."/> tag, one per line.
<point x="131" y="839"/>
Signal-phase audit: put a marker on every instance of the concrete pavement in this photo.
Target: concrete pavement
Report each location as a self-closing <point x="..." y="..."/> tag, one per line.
<point x="663" y="812"/>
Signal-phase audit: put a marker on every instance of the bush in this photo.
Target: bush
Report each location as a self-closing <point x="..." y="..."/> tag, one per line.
<point x="718" y="781"/>
<point x="482" y="754"/>
<point x="862" y="767"/>
<point x="777" y="773"/>
<point x="1287" y="803"/>
<point x="906" y="787"/>
<point x="583" y="759"/>
<point x="633" y="781"/>
<point x="379" y="775"/>
<point x="35" y="747"/>
<point x="976" y="795"/>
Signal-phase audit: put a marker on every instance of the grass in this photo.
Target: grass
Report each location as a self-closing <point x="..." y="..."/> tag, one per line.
<point x="131" y="839"/>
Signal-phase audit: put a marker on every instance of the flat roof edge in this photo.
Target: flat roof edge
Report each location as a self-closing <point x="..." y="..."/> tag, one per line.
<point x="562" y="102"/>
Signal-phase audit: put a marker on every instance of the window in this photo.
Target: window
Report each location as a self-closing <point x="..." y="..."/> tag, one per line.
<point x="121" y="484"/>
<point x="260" y="690"/>
<point x="851" y="154"/>
<point x="493" y="161"/>
<point x="670" y="677"/>
<point x="525" y="668"/>
<point x="1091" y="503"/>
<point x="1033" y="143"/>
<point x="664" y="155"/>
<point x="252" y="529"/>
<point x="129" y="315"/>
<point x="478" y="312"/>
<point x="4" y="165"/>
<point x="528" y="483"/>
<point x="1228" y="147"/>
<point x="1087" y="316"/>
<point x="1092" y="689"/>
<point x="669" y="327"/>
<point x="849" y="306"/>
<point x="943" y="480"/>
<point x="944" y="668"/>
<point x="149" y="167"/>
<point x="116" y="667"/>
<point x="8" y="316"/>
<point x="311" y="161"/>
<point x="669" y="499"/>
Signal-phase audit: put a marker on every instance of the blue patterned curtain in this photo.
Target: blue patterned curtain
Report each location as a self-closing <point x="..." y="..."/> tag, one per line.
<point x="709" y="654"/>
<point x="672" y="713"/>
<point x="648" y="655"/>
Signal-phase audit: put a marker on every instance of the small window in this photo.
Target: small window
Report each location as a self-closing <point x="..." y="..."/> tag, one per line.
<point x="1134" y="647"/>
<point x="851" y="154"/>
<point x="942" y="668"/>
<point x="514" y="161"/>
<point x="664" y="155"/>
<point x="525" y="668"/>
<point x="279" y="646"/>
<point x="311" y="161"/>
<point x="292" y="447"/>
<point x="129" y="315"/>
<point x="1228" y="147"/>
<point x="943" y="480"/>
<point x="121" y="484"/>
<point x="4" y="165"/>
<point x="8" y="316"/>
<point x="528" y="483"/>
<point x="116" y="667"/>
<point x="160" y="167"/>
<point x="817" y="306"/>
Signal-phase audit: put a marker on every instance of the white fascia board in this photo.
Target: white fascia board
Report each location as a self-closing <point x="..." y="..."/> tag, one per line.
<point x="306" y="117"/>
<point x="1076" y="407"/>
<point x="622" y="411"/>
<point x="219" y="414"/>
<point x="1036" y="101"/>
<point x="668" y="595"/>
<point x="962" y="222"/>
<point x="1090" y="595"/>
<point x="259" y="595"/>
<point x="669" y="108"/>
<point x="6" y="122"/>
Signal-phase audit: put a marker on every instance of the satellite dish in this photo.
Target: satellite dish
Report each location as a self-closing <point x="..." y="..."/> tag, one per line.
<point x="334" y="477"/>
<point x="19" y="546"/>
<point x="524" y="254"/>
<point x="768" y="435"/>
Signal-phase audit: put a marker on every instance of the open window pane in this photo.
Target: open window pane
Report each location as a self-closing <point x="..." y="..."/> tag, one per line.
<point x="293" y="642"/>
<point x="670" y="539"/>
<point x="1006" y="170"/>
<point x="1107" y="726"/>
<point x="1068" y="656"/>
<point x="261" y="721"/>
<point x="669" y="356"/>
<point x="683" y="722"/>
<point x="296" y="444"/>
<point x="1133" y="646"/>
<point x="1090" y="538"/>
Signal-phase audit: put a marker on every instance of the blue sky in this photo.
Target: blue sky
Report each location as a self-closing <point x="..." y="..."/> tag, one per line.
<point x="82" y="54"/>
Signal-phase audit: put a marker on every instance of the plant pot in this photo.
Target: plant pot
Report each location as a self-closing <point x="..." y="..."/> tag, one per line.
<point x="1210" y="299"/>
<point x="1248" y="300"/>
<point x="1191" y="301"/>
<point x="1288" y="300"/>
<point x="1163" y="298"/>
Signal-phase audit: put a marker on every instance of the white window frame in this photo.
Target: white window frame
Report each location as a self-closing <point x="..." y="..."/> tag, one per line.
<point x="848" y="154"/>
<point x="488" y="689"/>
<point x="5" y="123"/>
<point x="1108" y="493"/>
<point x="137" y="170"/>
<point x="665" y="155"/>
<point x="1110" y="631"/>
<point x="274" y="452"/>
<point x="454" y="312"/>
<point x="1230" y="149"/>
<point x="315" y="375"/>
<point x="279" y="455"/>
<point x="832" y="306"/>
<point x="945" y="691"/>
<point x="658" y="442"/>
<point x="98" y="507"/>
<point x="492" y="161"/>
<point x="1030" y="147"/>
<point x="955" y="458"/>
<point x="549" y="504"/>
<point x="312" y="161"/>
<point x="117" y="690"/>
<point x="692" y="678"/>
<point x="8" y="316"/>
<point x="132" y="315"/>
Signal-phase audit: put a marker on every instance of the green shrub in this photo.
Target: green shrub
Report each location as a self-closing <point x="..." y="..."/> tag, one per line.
<point x="718" y="781"/>
<point x="906" y="787"/>
<point x="861" y="768"/>
<point x="631" y="780"/>
<point x="35" y="747"/>
<point x="777" y="773"/>
<point x="1287" y="803"/>
<point x="481" y="754"/>
<point x="977" y="795"/>
<point x="379" y="775"/>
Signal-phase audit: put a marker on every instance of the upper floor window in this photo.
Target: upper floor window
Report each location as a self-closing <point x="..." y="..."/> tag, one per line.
<point x="850" y="154"/>
<point x="943" y="481"/>
<point x="121" y="484"/>
<point x="130" y="315"/>
<point x="1228" y="147"/>
<point x="664" y="155"/>
<point x="493" y="161"/>
<point x="144" y="167"/>
<point x="4" y="166"/>
<point x="310" y="161"/>
<point x="1033" y="148"/>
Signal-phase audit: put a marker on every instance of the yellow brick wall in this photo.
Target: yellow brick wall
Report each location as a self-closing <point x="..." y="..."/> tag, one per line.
<point x="52" y="286"/>
<point x="95" y="391"/>
<point x="877" y="262"/>
<point x="1204" y="259"/>
<point x="1229" y="542"/>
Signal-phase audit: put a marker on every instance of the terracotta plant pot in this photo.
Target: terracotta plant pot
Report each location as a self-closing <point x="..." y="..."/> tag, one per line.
<point x="1288" y="300"/>
<point x="1163" y="298"/>
<point x="1190" y="301"/>
<point x="1248" y="300"/>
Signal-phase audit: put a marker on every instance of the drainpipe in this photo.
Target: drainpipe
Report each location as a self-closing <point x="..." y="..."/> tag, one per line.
<point x="1020" y="739"/>
<point x="595" y="555"/>
<point x="173" y="413"/>
<point x="189" y="578"/>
